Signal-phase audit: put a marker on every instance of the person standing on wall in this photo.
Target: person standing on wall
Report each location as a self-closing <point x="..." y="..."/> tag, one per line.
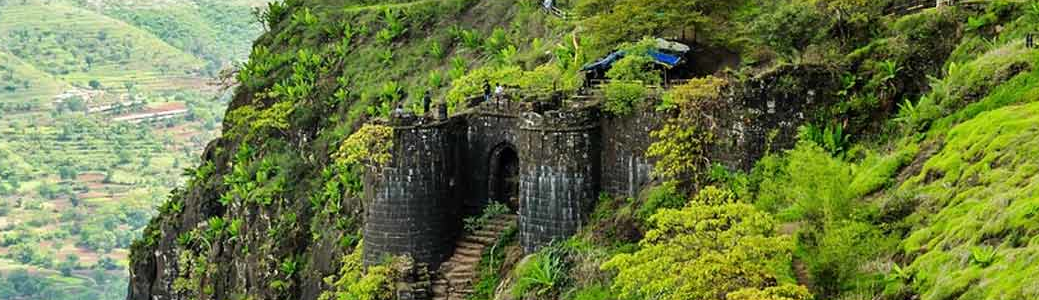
<point x="486" y="91"/>
<point x="426" y="99"/>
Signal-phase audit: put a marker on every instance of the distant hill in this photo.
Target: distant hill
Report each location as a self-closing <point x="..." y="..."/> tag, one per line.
<point x="102" y="106"/>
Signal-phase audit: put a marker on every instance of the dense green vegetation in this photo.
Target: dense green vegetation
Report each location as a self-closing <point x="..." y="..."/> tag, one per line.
<point x="917" y="182"/>
<point x="78" y="178"/>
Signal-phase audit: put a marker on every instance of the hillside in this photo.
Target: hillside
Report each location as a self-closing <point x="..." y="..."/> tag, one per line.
<point x="100" y="117"/>
<point x="798" y="150"/>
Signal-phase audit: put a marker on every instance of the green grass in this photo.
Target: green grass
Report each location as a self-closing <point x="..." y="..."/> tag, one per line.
<point x="21" y="83"/>
<point x="985" y="192"/>
<point x="76" y="45"/>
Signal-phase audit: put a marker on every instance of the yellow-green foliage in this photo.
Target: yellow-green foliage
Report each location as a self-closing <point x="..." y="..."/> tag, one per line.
<point x="354" y="283"/>
<point x="680" y="150"/>
<point x="538" y="84"/>
<point x="714" y="246"/>
<point x="248" y="122"/>
<point x="369" y="145"/>
<point x="783" y="292"/>
<point x="982" y="188"/>
<point x="692" y="96"/>
<point x="622" y="97"/>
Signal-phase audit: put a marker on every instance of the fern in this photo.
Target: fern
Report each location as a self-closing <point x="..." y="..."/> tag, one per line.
<point x="890" y="70"/>
<point x="436" y="50"/>
<point x="983" y="256"/>
<point x="435" y="79"/>
<point x="908" y="112"/>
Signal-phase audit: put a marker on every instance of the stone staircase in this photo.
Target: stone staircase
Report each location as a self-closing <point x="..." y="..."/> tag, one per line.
<point x="458" y="274"/>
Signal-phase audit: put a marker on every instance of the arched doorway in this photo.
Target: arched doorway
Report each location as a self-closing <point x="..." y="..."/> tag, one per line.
<point x="503" y="185"/>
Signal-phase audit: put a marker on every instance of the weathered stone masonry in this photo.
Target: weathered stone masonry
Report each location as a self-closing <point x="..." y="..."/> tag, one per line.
<point x="443" y="170"/>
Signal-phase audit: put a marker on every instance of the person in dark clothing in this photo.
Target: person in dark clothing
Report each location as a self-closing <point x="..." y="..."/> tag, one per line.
<point x="426" y="99"/>
<point x="486" y="91"/>
<point x="1030" y="40"/>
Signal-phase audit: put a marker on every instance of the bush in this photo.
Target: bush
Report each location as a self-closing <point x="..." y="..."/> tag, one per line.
<point x="733" y="240"/>
<point x="791" y="27"/>
<point x="541" y="274"/>
<point x="355" y="282"/>
<point x="661" y="197"/>
<point x="491" y="211"/>
<point x="680" y="151"/>
<point x="636" y="67"/>
<point x="623" y="96"/>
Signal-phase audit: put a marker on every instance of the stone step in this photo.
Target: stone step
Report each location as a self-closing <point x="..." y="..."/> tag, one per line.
<point x="480" y="239"/>
<point x="462" y="244"/>
<point x="461" y="275"/>
<point x="487" y="233"/>
<point x="468" y="252"/>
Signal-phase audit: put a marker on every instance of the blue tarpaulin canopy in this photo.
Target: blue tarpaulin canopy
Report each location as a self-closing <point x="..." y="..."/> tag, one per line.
<point x="665" y="59"/>
<point x="659" y="57"/>
<point x="605" y="62"/>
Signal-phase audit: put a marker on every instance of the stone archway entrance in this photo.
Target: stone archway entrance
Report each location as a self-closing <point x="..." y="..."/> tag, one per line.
<point x="503" y="185"/>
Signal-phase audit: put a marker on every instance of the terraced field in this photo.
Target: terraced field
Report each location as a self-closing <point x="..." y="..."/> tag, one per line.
<point x="76" y="184"/>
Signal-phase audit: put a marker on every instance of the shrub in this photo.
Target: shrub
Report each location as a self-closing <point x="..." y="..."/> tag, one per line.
<point x="661" y="197"/>
<point x="636" y="67"/>
<point x="783" y="292"/>
<point x="689" y="98"/>
<point x="715" y="232"/>
<point x="491" y="211"/>
<point x="355" y="282"/>
<point x="791" y="27"/>
<point x="370" y="145"/>
<point x="623" y="96"/>
<point x="542" y="273"/>
<point x="835" y="255"/>
<point x="680" y="151"/>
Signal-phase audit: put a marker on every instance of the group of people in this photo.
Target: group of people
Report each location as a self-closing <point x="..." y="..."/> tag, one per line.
<point x="427" y="99"/>
<point x="499" y="91"/>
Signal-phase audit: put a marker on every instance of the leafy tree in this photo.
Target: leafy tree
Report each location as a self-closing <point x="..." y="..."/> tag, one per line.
<point x="94" y="84"/>
<point x="789" y="28"/>
<point x="714" y="246"/>
<point x="24" y="284"/>
<point x="613" y="21"/>
<point x="71" y="263"/>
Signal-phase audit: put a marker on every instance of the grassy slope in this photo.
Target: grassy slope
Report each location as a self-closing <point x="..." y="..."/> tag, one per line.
<point x="66" y="37"/>
<point x="30" y="84"/>
<point x="62" y="35"/>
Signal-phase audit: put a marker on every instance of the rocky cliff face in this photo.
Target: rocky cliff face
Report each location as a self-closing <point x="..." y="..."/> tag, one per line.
<point x="271" y="212"/>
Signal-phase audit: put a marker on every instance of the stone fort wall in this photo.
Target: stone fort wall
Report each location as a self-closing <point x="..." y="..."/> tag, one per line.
<point x="440" y="170"/>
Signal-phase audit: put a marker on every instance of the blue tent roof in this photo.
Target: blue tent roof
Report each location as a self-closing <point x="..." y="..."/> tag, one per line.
<point x="606" y="62"/>
<point x="665" y="59"/>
